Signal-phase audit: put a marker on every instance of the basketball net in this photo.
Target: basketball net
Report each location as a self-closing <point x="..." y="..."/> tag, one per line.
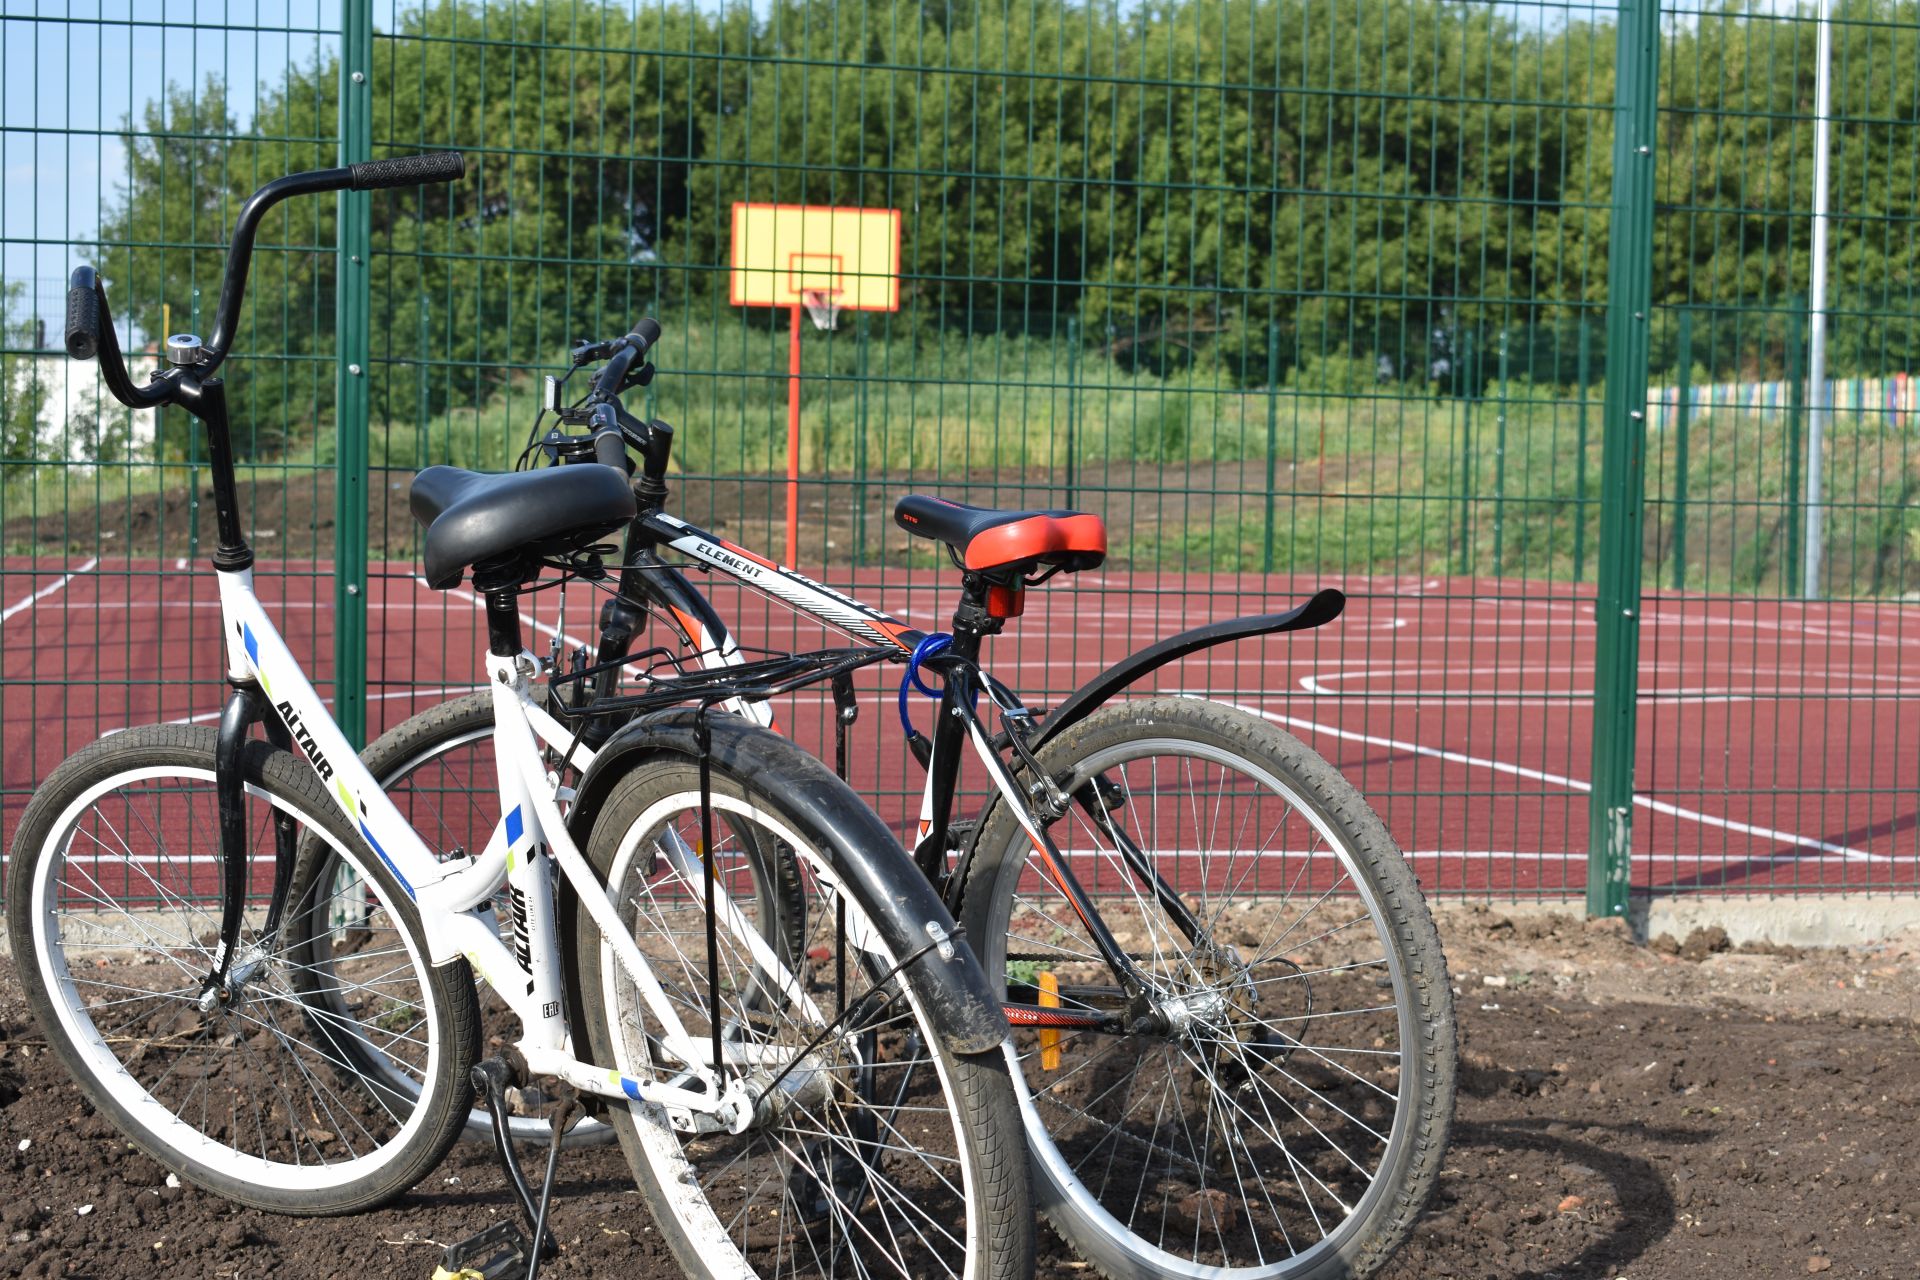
<point x="823" y="305"/>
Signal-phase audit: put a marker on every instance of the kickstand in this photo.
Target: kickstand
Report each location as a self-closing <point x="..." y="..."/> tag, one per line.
<point x="503" y="1251"/>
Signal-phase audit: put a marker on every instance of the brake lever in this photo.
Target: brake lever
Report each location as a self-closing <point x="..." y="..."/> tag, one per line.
<point x="586" y="352"/>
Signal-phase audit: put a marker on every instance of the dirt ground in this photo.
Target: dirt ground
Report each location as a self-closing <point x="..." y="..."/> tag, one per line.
<point x="1681" y="1110"/>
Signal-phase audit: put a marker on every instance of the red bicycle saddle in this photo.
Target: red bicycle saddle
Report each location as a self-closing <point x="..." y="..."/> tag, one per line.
<point x="988" y="538"/>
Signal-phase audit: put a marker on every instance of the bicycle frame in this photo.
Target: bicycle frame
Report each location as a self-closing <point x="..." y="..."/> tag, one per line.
<point x="645" y="576"/>
<point x="453" y="899"/>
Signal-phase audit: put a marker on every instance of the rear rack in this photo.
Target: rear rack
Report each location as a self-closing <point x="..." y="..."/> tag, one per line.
<point x="670" y="680"/>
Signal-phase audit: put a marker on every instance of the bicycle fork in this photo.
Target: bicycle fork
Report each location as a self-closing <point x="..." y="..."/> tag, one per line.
<point x="246" y="706"/>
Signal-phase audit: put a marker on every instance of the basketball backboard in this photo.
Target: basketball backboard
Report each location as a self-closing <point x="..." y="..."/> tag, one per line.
<point x="781" y="251"/>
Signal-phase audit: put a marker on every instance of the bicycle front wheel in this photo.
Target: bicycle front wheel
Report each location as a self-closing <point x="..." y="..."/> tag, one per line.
<point x="874" y="1148"/>
<point x="264" y="1094"/>
<point x="1284" y="1108"/>
<point x="438" y="769"/>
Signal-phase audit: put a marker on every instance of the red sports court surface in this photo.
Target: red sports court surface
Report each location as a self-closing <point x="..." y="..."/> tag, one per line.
<point x="1779" y="750"/>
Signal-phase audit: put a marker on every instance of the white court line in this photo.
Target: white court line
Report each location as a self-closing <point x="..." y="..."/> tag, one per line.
<point x="47" y="590"/>
<point x="210" y="716"/>
<point x="1447" y="855"/>
<point x="1571" y="784"/>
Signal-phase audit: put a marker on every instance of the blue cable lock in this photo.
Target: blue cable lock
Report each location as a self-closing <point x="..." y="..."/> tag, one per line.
<point x="927" y="647"/>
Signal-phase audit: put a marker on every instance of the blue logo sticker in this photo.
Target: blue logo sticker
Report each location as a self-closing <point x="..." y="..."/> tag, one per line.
<point x="253" y="646"/>
<point x="368" y="833"/>
<point x="515" y="827"/>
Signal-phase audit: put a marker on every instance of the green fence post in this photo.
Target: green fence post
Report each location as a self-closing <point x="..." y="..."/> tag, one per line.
<point x="352" y="316"/>
<point x="193" y="451"/>
<point x="1616" y="682"/>
<point x="1500" y="461"/>
<point x="1796" y="420"/>
<point x="1073" y="362"/>
<point x="1273" y="433"/>
<point x="1467" y="392"/>
<point x="860" y="489"/>
<point x="420" y="437"/>
<point x="1682" y="411"/>
<point x="1581" y="372"/>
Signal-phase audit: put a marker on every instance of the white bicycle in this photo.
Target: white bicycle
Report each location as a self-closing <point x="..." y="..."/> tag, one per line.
<point x="718" y="946"/>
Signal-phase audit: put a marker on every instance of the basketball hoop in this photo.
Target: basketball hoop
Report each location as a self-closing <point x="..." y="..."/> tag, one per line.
<point x="825" y="258"/>
<point x="823" y="305"/>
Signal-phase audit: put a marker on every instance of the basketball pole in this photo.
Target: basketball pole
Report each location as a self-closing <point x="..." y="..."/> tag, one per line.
<point x="793" y="435"/>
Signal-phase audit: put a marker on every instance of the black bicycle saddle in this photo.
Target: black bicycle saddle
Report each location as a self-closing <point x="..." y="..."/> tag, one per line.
<point x="472" y="517"/>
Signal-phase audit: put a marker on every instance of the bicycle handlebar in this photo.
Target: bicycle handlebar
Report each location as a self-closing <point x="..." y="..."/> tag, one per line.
<point x="609" y="443"/>
<point x="627" y="352"/>
<point x="83" y="313"/>
<point x="407" y="171"/>
<point x="90" y="320"/>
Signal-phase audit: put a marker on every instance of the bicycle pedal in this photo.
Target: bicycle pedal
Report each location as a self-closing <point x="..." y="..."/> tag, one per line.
<point x="500" y="1252"/>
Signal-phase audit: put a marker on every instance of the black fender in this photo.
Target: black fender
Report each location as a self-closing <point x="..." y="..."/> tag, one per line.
<point x="862" y="852"/>
<point x="1326" y="605"/>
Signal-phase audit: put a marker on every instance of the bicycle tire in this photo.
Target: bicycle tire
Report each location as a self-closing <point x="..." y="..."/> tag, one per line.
<point x="754" y="774"/>
<point x="1087" y="1203"/>
<point x="240" y="1054"/>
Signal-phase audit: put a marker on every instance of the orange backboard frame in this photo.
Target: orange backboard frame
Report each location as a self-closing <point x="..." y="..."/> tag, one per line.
<point x="780" y="251"/>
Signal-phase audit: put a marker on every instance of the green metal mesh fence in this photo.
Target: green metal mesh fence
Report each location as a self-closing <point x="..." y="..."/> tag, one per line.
<point x="1772" y="696"/>
<point x="1293" y="293"/>
<point x="129" y="134"/>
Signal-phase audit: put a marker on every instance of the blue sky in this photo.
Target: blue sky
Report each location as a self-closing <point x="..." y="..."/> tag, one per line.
<point x="70" y="73"/>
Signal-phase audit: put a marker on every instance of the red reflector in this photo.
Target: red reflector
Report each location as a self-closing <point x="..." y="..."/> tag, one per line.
<point x="1006" y="602"/>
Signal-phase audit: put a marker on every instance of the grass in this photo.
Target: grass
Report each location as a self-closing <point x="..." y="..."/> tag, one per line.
<point x="1382" y="479"/>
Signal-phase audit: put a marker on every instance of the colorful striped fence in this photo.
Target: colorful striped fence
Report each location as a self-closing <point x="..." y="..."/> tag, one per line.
<point x="1894" y="399"/>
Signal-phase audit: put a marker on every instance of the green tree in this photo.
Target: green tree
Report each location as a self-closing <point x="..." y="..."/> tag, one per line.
<point x="25" y="389"/>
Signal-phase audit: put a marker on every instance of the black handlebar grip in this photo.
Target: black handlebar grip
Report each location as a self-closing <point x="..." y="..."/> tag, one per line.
<point x="83" y="314"/>
<point x="644" y="335"/>
<point x="407" y="171"/>
<point x="609" y="447"/>
<point x="610" y="450"/>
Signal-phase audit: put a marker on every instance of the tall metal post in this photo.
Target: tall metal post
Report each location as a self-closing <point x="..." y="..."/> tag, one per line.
<point x="193" y="452"/>
<point x="1817" y="288"/>
<point x="352" y="319"/>
<point x="1682" y="416"/>
<point x="1273" y="434"/>
<point x="860" y="491"/>
<point x="1623" y="477"/>
<point x="1584" y="376"/>
<point x="1468" y="390"/>
<point x="793" y="435"/>
<point x="1500" y="463"/>
<point x="1073" y="361"/>
<point x="1791" y="498"/>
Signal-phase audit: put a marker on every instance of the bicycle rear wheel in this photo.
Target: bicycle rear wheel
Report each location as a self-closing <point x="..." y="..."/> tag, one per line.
<point x="263" y="1096"/>
<point x="876" y="1148"/>
<point x="1287" y="1115"/>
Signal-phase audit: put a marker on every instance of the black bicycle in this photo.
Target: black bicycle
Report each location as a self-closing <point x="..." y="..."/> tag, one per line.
<point x="1236" y="1057"/>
